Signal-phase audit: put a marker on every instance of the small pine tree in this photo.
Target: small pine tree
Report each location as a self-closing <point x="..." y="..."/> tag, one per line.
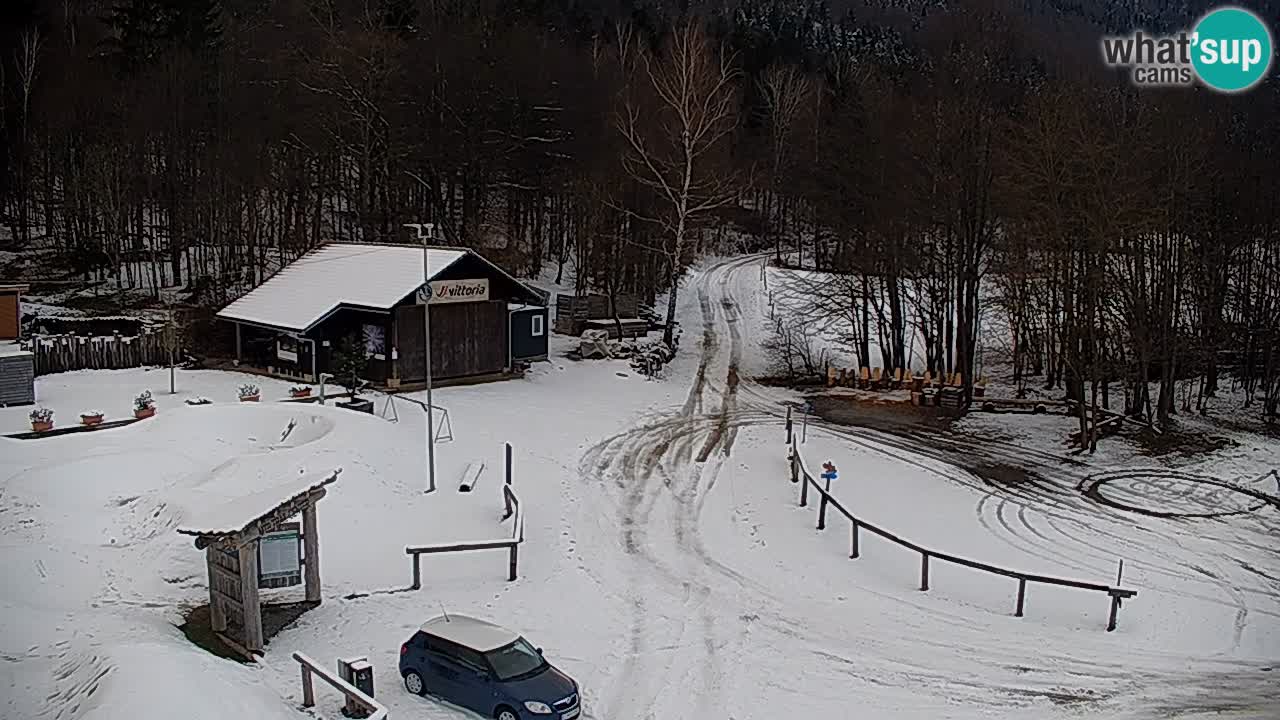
<point x="349" y="364"/>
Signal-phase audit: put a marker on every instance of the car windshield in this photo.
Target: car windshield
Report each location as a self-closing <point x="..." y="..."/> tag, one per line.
<point x="512" y="661"/>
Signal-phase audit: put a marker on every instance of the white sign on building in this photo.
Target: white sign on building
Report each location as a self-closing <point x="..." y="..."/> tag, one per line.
<point x="457" y="291"/>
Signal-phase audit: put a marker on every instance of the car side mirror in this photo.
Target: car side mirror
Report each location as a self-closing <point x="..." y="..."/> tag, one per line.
<point x="539" y="650"/>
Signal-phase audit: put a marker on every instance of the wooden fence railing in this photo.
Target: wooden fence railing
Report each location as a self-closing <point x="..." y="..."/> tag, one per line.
<point x="61" y="353"/>
<point x="800" y="474"/>
<point x="512" y="544"/>
<point x="353" y="694"/>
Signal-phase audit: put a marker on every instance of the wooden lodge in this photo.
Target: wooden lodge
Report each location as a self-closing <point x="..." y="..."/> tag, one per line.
<point x="366" y="299"/>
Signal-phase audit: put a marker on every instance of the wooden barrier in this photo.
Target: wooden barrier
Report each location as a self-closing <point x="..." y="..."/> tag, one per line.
<point x="511" y="544"/>
<point x="799" y="473"/>
<point x="60" y="353"/>
<point x="353" y="694"/>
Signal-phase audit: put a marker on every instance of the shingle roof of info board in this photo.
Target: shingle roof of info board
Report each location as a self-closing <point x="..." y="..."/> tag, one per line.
<point x="308" y="289"/>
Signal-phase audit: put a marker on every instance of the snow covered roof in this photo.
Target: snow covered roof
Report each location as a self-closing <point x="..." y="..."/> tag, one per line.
<point x="314" y="285"/>
<point x="470" y="632"/>
<point x="232" y="516"/>
<point x="12" y="349"/>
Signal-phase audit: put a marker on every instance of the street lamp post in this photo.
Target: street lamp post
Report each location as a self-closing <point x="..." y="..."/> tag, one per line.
<point x="425" y="294"/>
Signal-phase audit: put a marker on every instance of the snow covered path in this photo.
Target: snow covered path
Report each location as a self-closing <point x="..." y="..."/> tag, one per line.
<point x="716" y="629"/>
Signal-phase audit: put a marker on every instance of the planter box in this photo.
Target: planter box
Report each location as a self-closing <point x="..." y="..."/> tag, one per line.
<point x="90" y="419"/>
<point x="41" y="426"/>
<point x="300" y="393"/>
<point x="364" y="406"/>
<point x="251" y="398"/>
<point x="145" y="413"/>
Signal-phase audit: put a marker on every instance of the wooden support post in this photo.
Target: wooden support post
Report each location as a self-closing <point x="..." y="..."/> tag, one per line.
<point x="1115" y="610"/>
<point x="217" y="615"/>
<point x="308" y="692"/>
<point x="511" y="565"/>
<point x="251" y="603"/>
<point x="795" y="466"/>
<point x="788" y="424"/>
<point x="238" y="351"/>
<point x="853" y="539"/>
<point x="417" y="571"/>
<point x="1022" y="596"/>
<point x="311" y="552"/>
<point x="822" y="512"/>
<point x="506" y="498"/>
<point x="804" y="491"/>
<point x="924" y="571"/>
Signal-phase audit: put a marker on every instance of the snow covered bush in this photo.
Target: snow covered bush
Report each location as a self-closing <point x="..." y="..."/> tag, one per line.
<point x="143" y="401"/>
<point x="249" y="390"/>
<point x="42" y="415"/>
<point x="199" y="401"/>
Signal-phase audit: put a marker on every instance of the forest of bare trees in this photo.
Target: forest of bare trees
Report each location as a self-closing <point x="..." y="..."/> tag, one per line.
<point x="943" y="163"/>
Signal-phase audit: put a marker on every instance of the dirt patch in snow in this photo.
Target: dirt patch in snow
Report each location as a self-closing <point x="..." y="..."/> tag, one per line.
<point x="886" y="416"/>
<point x="1182" y="441"/>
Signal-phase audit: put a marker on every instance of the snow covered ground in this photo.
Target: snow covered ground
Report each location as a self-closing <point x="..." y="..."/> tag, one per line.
<point x="667" y="566"/>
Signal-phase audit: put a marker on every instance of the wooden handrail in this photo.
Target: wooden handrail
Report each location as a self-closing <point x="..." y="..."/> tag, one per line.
<point x="311" y="667"/>
<point x="807" y="479"/>
<point x="509" y="543"/>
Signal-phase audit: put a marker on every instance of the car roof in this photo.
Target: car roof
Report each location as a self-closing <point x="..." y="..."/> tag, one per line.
<point x="469" y="632"/>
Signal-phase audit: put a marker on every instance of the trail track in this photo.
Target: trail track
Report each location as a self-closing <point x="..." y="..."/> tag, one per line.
<point x="699" y="624"/>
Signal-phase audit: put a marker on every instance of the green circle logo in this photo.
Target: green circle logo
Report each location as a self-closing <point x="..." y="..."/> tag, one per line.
<point x="1231" y="49"/>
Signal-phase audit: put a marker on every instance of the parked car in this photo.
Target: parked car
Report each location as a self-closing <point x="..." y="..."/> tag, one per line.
<point x="486" y="668"/>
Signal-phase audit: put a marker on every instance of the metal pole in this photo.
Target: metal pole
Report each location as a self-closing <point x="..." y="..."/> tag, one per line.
<point x="173" y="340"/>
<point x="804" y="424"/>
<point x="426" y="324"/>
<point x="323" y="377"/>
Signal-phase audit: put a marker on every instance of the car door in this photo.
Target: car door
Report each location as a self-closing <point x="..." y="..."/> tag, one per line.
<point x="444" y="675"/>
<point x="475" y="683"/>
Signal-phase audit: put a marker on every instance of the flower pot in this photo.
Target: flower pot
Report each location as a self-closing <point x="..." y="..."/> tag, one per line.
<point x="249" y="398"/>
<point x="364" y="406"/>
<point x="41" y="425"/>
<point x="90" y="419"/>
<point x="144" y="413"/>
<point x="300" y="393"/>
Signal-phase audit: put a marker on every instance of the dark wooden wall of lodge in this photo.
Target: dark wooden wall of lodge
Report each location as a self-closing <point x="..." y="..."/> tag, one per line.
<point x="466" y="339"/>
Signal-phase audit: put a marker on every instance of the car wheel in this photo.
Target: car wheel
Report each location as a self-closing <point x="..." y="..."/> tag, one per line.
<point x="413" y="683"/>
<point x="505" y="713"/>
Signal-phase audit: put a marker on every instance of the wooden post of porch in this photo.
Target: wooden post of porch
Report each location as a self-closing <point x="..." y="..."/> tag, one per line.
<point x="311" y="552"/>
<point x="217" y="616"/>
<point x="239" y="356"/>
<point x="251" y="603"/>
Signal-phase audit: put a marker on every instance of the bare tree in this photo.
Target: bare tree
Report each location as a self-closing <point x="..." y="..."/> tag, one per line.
<point x="786" y="91"/>
<point x="672" y="135"/>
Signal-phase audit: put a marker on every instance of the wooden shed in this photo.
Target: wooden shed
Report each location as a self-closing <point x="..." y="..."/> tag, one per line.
<point x="17" y="366"/>
<point x="346" y="298"/>
<point x="11" y="310"/>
